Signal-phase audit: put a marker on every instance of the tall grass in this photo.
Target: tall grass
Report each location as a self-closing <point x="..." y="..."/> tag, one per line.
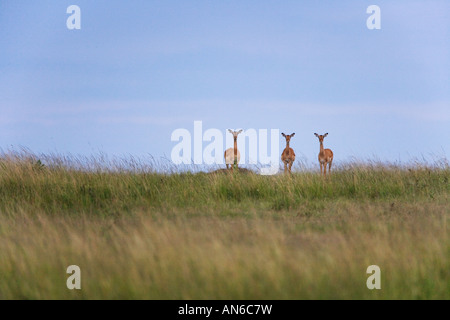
<point x="141" y="234"/>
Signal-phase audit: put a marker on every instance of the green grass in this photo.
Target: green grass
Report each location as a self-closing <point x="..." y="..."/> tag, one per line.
<point x="139" y="234"/>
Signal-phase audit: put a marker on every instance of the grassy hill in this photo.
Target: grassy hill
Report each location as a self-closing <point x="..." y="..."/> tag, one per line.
<point x="140" y="234"/>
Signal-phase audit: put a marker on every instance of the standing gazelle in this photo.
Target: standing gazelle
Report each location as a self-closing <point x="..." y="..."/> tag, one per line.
<point x="325" y="156"/>
<point x="288" y="155"/>
<point x="232" y="155"/>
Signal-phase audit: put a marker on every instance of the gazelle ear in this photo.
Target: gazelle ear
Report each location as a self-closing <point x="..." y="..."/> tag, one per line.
<point x="230" y="131"/>
<point x="325" y="134"/>
<point x="283" y="134"/>
<point x="316" y="135"/>
<point x="292" y="134"/>
<point x="239" y="131"/>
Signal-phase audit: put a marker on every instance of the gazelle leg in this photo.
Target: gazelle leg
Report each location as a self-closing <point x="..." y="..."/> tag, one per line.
<point x="227" y="166"/>
<point x="290" y="166"/>
<point x="285" y="167"/>
<point x="321" y="169"/>
<point x="325" y="169"/>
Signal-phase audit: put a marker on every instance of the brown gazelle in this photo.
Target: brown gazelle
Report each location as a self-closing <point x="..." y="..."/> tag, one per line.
<point x="325" y="156"/>
<point x="288" y="155"/>
<point x="232" y="155"/>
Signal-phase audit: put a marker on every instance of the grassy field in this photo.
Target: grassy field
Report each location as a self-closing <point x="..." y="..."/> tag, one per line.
<point x="139" y="234"/>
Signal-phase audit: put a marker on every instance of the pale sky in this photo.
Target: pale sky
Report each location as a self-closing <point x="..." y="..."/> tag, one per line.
<point x="138" y="70"/>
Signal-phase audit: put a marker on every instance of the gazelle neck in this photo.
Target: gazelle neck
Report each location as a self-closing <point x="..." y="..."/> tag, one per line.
<point x="321" y="146"/>
<point x="287" y="144"/>
<point x="235" y="147"/>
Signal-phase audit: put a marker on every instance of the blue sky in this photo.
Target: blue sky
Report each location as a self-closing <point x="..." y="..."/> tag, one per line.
<point x="138" y="70"/>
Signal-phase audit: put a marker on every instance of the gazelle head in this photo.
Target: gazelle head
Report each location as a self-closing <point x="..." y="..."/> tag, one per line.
<point x="321" y="137"/>
<point x="235" y="133"/>
<point x="288" y="136"/>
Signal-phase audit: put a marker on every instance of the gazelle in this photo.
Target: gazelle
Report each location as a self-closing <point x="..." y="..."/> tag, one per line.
<point x="325" y="156"/>
<point x="232" y="155"/>
<point x="288" y="155"/>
